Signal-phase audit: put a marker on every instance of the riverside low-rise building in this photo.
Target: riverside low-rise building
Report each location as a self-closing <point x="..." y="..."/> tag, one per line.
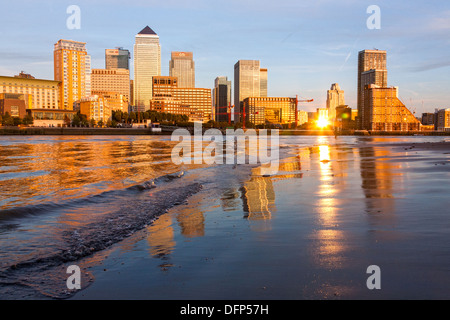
<point x="38" y="93"/>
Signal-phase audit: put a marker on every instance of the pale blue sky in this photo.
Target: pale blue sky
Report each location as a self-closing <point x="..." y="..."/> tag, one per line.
<point x="306" y="45"/>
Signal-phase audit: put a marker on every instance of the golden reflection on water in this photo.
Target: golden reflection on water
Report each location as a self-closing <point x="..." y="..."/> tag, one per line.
<point x="161" y="238"/>
<point x="77" y="168"/>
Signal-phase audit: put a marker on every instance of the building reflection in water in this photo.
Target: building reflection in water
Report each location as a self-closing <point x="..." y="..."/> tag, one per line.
<point x="258" y="198"/>
<point x="161" y="237"/>
<point x="377" y="182"/>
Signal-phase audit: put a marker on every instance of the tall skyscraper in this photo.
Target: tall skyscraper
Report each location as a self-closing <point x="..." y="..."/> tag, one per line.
<point x="147" y="64"/>
<point x="247" y="83"/>
<point x="222" y="98"/>
<point x="182" y="66"/>
<point x="117" y="59"/>
<point x="335" y="98"/>
<point x="72" y="66"/>
<point x="371" y="70"/>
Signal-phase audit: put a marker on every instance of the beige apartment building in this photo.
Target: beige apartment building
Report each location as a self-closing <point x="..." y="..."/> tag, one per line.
<point x="111" y="80"/>
<point x="95" y="108"/>
<point x="116" y="101"/>
<point x="39" y="93"/>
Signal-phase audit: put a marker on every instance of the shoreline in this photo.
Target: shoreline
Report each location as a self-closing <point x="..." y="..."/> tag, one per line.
<point x="323" y="243"/>
<point x="6" y="131"/>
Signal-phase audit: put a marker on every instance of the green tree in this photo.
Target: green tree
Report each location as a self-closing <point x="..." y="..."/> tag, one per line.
<point x="27" y="120"/>
<point x="17" y="121"/>
<point x="132" y="116"/>
<point x="7" y="119"/>
<point x="76" y="121"/>
<point x="118" y="116"/>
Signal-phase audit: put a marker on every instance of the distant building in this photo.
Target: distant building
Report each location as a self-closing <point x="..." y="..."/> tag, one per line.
<point x="182" y="66"/>
<point x="147" y="64"/>
<point x="72" y="67"/>
<point x="38" y="93"/>
<point x="371" y="70"/>
<point x="335" y="98"/>
<point x="247" y="83"/>
<point x="322" y="116"/>
<point x="270" y="110"/>
<point x="263" y="82"/>
<point x="343" y="117"/>
<point x="428" y="118"/>
<point x="14" y="104"/>
<point x="117" y="59"/>
<point x="95" y="108"/>
<point x="196" y="98"/>
<point x="51" y="117"/>
<point x="115" y="100"/>
<point x="302" y="117"/>
<point x="384" y="111"/>
<point x="111" y="80"/>
<point x="174" y="106"/>
<point x="442" y="120"/>
<point x="24" y="75"/>
<point x="222" y="99"/>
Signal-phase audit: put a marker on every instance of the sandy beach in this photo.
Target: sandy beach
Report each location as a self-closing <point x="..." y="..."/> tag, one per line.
<point x="336" y="207"/>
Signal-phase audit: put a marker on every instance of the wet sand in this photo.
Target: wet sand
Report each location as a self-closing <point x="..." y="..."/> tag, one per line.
<point x="309" y="232"/>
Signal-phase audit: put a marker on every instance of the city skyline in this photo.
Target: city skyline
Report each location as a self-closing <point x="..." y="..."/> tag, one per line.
<point x="304" y="56"/>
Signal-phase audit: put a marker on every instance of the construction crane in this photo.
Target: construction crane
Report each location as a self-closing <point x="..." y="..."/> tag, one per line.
<point x="229" y="113"/>
<point x="296" y="107"/>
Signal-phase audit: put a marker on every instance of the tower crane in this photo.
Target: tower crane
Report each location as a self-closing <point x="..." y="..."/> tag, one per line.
<point x="296" y="107"/>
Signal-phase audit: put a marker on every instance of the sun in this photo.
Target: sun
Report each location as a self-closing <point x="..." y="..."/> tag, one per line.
<point x="322" y="123"/>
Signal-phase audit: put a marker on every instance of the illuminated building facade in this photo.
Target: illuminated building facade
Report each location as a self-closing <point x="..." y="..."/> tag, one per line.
<point x="117" y="59"/>
<point x="111" y="80"/>
<point x="371" y="70"/>
<point x="72" y="67"/>
<point x="38" y="93"/>
<point x="182" y="66"/>
<point x="249" y="81"/>
<point x="116" y="101"/>
<point x="95" y="108"/>
<point x="384" y="111"/>
<point x="335" y="98"/>
<point x="269" y="110"/>
<point x="196" y="98"/>
<point x="442" y="120"/>
<point x="147" y="64"/>
<point x="14" y="104"/>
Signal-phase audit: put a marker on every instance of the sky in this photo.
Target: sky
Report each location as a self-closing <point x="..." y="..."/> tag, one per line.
<point x="305" y="45"/>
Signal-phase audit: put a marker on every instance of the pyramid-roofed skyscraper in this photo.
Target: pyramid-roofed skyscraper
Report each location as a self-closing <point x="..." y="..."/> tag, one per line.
<point x="147" y="64"/>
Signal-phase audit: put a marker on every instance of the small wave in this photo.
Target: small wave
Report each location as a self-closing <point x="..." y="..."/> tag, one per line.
<point x="73" y="244"/>
<point x="35" y="210"/>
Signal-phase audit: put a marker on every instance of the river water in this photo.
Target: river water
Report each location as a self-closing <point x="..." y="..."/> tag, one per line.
<point x="142" y="227"/>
